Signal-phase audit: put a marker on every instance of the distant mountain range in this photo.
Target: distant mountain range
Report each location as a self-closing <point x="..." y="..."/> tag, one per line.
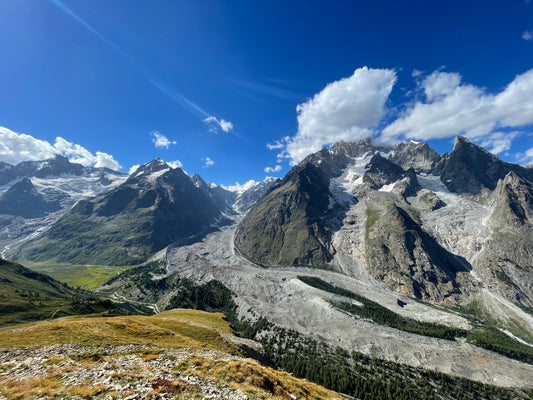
<point x="117" y="219"/>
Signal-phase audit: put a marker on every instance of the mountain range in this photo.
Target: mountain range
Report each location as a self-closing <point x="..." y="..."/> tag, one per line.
<point x="394" y="252"/>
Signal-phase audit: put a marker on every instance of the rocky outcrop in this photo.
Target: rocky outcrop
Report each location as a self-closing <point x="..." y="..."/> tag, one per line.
<point x="416" y="155"/>
<point x="505" y="264"/>
<point x="407" y="259"/>
<point x="222" y="198"/>
<point x="473" y="170"/>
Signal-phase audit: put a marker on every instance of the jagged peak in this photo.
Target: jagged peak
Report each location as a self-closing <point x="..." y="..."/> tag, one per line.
<point x="513" y="180"/>
<point x="156" y="165"/>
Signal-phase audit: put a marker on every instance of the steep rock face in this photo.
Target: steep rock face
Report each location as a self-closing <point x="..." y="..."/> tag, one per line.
<point x="222" y="198"/>
<point x="506" y="262"/>
<point x="292" y="223"/>
<point x="416" y="155"/>
<point x="22" y="199"/>
<point x="407" y="259"/>
<point x="156" y="206"/>
<point x="284" y="227"/>
<point x="287" y="226"/>
<point x="472" y="169"/>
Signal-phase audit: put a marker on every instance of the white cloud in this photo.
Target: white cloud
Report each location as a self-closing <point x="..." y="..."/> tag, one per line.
<point x="161" y="141"/>
<point x="208" y="162"/>
<point x="454" y="108"/>
<point x="174" y="164"/>
<point x="278" y="144"/>
<point x="18" y="147"/>
<point x="527" y="35"/>
<point x="277" y="168"/>
<point x="241" y="188"/>
<point x="525" y="158"/>
<point x="498" y="142"/>
<point x="416" y="73"/>
<point x="347" y="109"/>
<point x="440" y="84"/>
<point x="214" y="124"/>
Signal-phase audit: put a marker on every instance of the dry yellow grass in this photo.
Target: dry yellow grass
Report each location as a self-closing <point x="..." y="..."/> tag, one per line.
<point x="255" y="380"/>
<point x="32" y="388"/>
<point x="170" y="329"/>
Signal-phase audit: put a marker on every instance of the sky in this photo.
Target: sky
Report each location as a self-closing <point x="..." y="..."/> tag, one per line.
<point x="240" y="90"/>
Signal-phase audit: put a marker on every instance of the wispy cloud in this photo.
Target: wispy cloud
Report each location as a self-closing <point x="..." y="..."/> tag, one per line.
<point x="161" y="141"/>
<point x="527" y="35"/>
<point x="278" y="144"/>
<point x="215" y="124"/>
<point x="18" y="147"/>
<point x="272" y="90"/>
<point x="525" y="158"/>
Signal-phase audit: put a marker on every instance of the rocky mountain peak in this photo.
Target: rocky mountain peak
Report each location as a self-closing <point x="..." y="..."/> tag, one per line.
<point x="416" y="155"/>
<point x="472" y="169"/>
<point x="56" y="166"/>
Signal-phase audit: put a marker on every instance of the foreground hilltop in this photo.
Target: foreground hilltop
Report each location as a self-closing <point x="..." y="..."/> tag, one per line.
<point x="176" y="354"/>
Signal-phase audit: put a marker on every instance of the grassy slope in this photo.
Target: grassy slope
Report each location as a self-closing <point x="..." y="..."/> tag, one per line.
<point x="168" y="330"/>
<point x="26" y="295"/>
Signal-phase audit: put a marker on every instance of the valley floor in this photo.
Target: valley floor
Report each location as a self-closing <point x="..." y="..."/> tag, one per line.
<point x="279" y="296"/>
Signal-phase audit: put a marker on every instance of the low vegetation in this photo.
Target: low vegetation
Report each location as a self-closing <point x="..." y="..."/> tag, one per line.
<point x="26" y="295"/>
<point x="170" y="329"/>
<point x="255" y="380"/>
<point x="87" y="277"/>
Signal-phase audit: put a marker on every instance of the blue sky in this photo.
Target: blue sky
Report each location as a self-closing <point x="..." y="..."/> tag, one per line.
<point x="212" y="83"/>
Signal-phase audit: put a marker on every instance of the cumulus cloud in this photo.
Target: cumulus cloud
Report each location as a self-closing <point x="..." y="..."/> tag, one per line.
<point x="215" y="124"/>
<point x="440" y="84"/>
<point x="416" y="73"/>
<point x="347" y="109"/>
<point x="454" y="108"/>
<point x="527" y="35"/>
<point x="277" y="168"/>
<point x="18" y="147"/>
<point x="208" y="162"/>
<point x="241" y="188"/>
<point x="160" y="140"/>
